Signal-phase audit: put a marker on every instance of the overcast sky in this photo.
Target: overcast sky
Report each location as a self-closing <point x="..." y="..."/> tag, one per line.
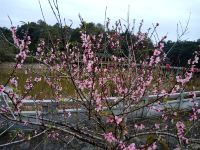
<point x="167" y="12"/>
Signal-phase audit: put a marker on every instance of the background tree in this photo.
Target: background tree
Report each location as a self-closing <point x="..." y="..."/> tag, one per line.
<point x="181" y="52"/>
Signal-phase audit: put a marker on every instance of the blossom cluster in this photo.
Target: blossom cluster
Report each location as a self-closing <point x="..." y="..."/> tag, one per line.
<point x="22" y="45"/>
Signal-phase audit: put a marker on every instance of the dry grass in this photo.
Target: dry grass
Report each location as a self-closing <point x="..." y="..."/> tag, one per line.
<point x="43" y="91"/>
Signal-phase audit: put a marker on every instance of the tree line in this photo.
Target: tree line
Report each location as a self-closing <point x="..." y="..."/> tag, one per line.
<point x="177" y="52"/>
<point x="40" y="30"/>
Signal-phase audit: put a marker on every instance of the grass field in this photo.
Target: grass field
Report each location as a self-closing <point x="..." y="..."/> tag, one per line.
<point x="43" y="91"/>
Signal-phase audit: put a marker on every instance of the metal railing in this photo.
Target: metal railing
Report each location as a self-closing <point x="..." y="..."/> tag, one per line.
<point x="50" y="109"/>
<point x="180" y="100"/>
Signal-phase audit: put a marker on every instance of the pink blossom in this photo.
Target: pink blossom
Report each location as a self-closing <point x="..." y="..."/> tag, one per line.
<point x="195" y="112"/>
<point x="157" y="60"/>
<point x="157" y="126"/>
<point x="102" y="81"/>
<point x="109" y="137"/>
<point x="37" y="79"/>
<point x="58" y="88"/>
<point x="175" y="113"/>
<point x="141" y="36"/>
<point x="196" y="60"/>
<point x="193" y="69"/>
<point x="130" y="147"/>
<point x="29" y="86"/>
<point x="139" y="127"/>
<point x="19" y="66"/>
<point x="122" y="90"/>
<point x="156" y="52"/>
<point x="15" y="39"/>
<point x="189" y="62"/>
<point x="161" y="45"/>
<point x="18" y="104"/>
<point x="89" y="66"/>
<point x="152" y="147"/>
<point x="110" y="119"/>
<point x="188" y="76"/>
<point x="114" y="58"/>
<point x="193" y="117"/>
<point x="13" y="81"/>
<point x="121" y="145"/>
<point x="180" y="129"/>
<point x="21" y="56"/>
<point x="3" y="108"/>
<point x="167" y="66"/>
<point x="53" y="135"/>
<point x="98" y="107"/>
<point x="118" y="119"/>
<point x="2" y="88"/>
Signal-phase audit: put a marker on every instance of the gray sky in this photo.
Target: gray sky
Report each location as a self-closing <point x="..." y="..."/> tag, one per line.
<point x="166" y="12"/>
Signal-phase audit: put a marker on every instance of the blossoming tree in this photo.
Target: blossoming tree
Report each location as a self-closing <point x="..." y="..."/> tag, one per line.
<point x="111" y="94"/>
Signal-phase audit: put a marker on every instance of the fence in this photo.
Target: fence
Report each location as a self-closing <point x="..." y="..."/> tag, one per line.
<point x="50" y="108"/>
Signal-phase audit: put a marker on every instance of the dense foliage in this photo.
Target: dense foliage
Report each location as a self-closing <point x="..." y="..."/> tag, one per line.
<point x="179" y="52"/>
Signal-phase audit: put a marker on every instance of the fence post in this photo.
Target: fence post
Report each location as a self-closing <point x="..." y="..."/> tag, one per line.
<point x="49" y="109"/>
